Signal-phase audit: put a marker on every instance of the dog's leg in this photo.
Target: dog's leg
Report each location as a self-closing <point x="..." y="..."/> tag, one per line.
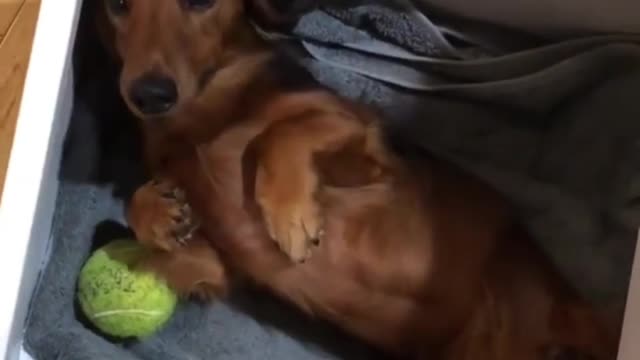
<point x="193" y="270"/>
<point x="163" y="222"/>
<point x="159" y="216"/>
<point x="287" y="179"/>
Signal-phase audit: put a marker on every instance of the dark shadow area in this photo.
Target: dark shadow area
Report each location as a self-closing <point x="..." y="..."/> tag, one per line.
<point x="101" y="125"/>
<point x="108" y="231"/>
<point x="267" y="309"/>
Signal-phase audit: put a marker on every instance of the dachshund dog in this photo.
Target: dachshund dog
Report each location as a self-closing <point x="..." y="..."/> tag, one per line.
<point x="262" y="174"/>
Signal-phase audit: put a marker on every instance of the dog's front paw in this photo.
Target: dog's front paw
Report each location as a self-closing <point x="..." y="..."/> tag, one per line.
<point x="160" y="216"/>
<point x="296" y="225"/>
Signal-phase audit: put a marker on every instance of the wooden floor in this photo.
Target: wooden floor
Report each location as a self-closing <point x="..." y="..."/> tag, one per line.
<point x="17" y="25"/>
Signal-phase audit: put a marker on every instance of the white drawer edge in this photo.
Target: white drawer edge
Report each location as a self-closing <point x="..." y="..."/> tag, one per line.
<point x="24" y="355"/>
<point x="629" y="344"/>
<point x="31" y="182"/>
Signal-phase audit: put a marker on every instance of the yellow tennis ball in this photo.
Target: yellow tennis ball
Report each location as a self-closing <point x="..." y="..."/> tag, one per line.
<point x="119" y="301"/>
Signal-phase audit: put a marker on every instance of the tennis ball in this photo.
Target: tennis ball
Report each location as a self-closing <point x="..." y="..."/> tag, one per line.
<point x="119" y="301"/>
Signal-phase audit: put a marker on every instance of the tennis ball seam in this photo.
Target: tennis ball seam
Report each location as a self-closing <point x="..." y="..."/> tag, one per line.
<point x="126" y="312"/>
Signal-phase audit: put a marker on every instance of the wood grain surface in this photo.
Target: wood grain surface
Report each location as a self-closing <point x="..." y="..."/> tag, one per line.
<point x="17" y="25"/>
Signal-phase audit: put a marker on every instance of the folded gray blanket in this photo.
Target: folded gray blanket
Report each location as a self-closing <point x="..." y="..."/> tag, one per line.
<point x="553" y="127"/>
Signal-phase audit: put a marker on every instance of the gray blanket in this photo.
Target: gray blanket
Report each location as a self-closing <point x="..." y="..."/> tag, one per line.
<point x="556" y="128"/>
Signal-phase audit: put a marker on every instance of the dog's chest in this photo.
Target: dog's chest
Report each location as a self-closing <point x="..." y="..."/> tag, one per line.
<point x="227" y="158"/>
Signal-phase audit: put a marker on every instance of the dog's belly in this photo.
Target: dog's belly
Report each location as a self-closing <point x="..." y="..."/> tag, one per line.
<point x="373" y="233"/>
<point x="423" y="248"/>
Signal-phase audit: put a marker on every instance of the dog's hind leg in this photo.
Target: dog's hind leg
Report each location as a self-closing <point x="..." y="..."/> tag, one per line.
<point x="192" y="271"/>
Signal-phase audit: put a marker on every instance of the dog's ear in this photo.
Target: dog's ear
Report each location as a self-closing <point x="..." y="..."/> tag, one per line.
<point x="279" y="13"/>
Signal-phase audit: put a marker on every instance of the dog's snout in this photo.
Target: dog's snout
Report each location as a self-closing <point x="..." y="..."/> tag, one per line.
<point x="153" y="94"/>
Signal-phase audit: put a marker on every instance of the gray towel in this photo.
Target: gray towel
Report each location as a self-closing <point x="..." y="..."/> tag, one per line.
<point x="554" y="127"/>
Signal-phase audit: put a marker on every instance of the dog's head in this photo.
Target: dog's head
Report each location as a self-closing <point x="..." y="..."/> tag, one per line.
<point x="169" y="49"/>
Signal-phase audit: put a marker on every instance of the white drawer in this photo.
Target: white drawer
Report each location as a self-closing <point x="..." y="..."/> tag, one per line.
<point x="630" y="344"/>
<point x="31" y="183"/>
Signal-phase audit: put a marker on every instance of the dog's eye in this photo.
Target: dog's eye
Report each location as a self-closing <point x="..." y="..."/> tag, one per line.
<point x="197" y="5"/>
<point x="118" y="7"/>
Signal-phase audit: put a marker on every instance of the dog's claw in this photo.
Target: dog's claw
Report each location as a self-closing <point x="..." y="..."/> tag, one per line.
<point x="168" y="195"/>
<point x="185" y="211"/>
<point x="173" y="226"/>
<point x="296" y="229"/>
<point x="180" y="195"/>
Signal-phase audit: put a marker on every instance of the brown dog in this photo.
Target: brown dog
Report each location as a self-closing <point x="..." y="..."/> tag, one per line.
<point x="298" y="191"/>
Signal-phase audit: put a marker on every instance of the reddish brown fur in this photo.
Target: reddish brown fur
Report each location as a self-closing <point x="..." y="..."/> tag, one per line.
<point x="419" y="259"/>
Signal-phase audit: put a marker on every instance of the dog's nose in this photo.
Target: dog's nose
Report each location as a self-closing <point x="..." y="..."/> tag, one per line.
<point x="153" y="94"/>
